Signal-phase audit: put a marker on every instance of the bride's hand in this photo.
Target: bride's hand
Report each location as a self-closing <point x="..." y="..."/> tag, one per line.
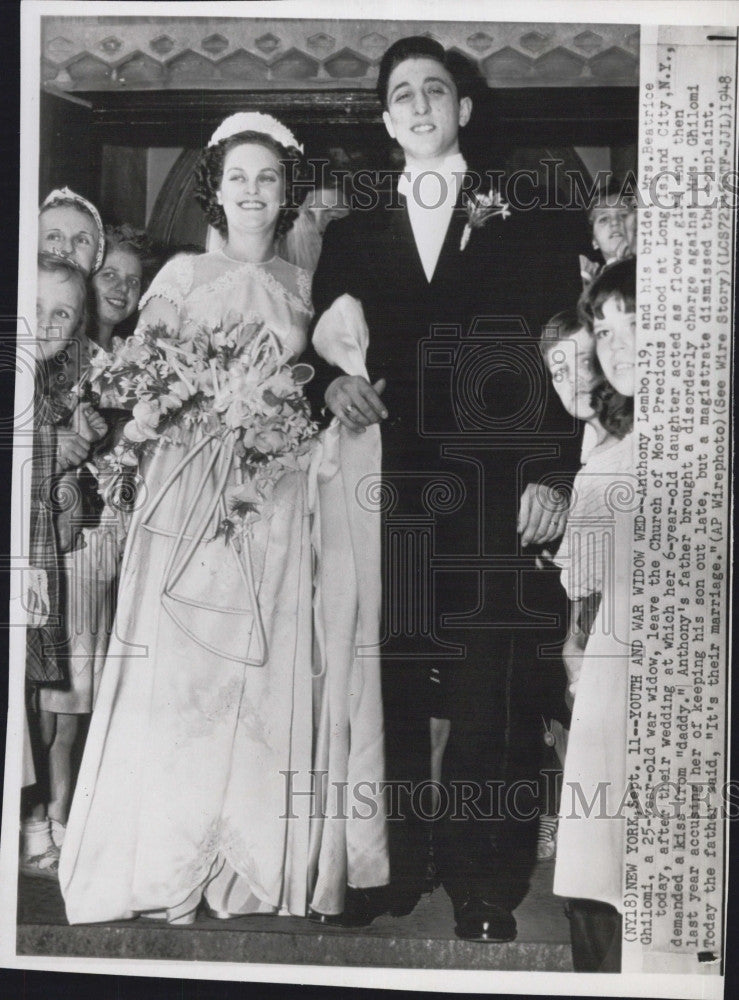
<point x="355" y="402"/>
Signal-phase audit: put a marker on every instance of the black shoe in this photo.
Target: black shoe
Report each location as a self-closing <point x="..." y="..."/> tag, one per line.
<point x="361" y="907"/>
<point x="329" y="919"/>
<point x="481" y="921"/>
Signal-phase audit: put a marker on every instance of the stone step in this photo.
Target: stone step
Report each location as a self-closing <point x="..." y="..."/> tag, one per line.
<point x="422" y="939"/>
<point x="247" y="943"/>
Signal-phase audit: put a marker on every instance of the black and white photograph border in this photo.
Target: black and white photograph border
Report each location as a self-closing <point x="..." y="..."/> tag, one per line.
<point x="118" y="101"/>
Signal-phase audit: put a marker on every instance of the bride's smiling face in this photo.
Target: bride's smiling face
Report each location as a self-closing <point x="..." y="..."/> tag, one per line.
<point x="252" y="189"/>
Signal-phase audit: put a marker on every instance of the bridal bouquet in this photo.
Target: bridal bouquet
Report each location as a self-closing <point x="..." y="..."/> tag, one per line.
<point x="233" y="380"/>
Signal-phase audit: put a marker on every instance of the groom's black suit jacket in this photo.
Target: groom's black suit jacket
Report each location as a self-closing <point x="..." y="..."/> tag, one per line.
<point x="459" y="352"/>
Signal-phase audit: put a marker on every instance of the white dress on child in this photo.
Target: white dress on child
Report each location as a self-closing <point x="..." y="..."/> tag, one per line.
<point x="201" y="712"/>
<point x="585" y="545"/>
<point x="590" y="848"/>
<point x="91" y="584"/>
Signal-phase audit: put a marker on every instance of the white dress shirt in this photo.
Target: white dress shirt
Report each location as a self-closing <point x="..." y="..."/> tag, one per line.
<point x="431" y="196"/>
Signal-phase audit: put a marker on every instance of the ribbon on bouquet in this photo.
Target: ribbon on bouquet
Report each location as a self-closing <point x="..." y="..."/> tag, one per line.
<point x="189" y="537"/>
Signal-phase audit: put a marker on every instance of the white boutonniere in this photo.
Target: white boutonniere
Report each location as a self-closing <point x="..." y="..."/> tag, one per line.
<point x="480" y="208"/>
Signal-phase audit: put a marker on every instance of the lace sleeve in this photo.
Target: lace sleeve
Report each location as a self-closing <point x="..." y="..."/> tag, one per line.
<point x="172" y="283"/>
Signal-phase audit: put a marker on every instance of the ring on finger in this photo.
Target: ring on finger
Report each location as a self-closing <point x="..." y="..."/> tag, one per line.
<point x="350" y="408"/>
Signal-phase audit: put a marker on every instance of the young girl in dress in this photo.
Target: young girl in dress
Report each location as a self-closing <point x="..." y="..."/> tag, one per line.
<point x="569" y="354"/>
<point x="70" y="228"/>
<point x="94" y="539"/>
<point x="612" y="222"/>
<point x="590" y="848"/>
<point x="60" y="311"/>
<point x="126" y="270"/>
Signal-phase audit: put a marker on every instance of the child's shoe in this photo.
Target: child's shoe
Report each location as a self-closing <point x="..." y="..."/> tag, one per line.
<point x="39" y="853"/>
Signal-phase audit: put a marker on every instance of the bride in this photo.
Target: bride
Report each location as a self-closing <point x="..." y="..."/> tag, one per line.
<point x="205" y="701"/>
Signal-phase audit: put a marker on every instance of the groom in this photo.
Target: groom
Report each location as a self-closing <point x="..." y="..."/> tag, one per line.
<point x="472" y="448"/>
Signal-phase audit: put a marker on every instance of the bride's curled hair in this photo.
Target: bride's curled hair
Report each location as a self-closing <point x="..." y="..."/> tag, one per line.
<point x="209" y="173"/>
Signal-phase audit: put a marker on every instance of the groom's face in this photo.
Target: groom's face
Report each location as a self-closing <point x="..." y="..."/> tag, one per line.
<point x="424" y="113"/>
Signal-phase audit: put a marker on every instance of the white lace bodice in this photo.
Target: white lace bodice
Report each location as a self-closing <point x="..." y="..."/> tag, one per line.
<point x="211" y="288"/>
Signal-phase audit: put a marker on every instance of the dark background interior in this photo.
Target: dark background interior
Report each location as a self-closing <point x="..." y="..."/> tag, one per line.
<point x="98" y="143"/>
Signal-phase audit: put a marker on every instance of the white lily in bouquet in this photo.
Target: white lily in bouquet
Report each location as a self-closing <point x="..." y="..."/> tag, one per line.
<point x="234" y="380"/>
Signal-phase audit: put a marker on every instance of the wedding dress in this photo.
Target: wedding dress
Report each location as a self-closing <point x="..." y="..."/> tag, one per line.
<point x="205" y="703"/>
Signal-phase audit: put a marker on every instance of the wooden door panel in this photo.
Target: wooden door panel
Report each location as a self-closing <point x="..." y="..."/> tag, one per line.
<point x="69" y="150"/>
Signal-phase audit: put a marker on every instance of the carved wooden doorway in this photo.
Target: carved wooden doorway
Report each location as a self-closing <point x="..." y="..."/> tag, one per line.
<point x="516" y="127"/>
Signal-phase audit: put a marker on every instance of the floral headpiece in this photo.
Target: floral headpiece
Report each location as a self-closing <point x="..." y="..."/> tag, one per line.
<point x="255" y="121"/>
<point x="65" y="195"/>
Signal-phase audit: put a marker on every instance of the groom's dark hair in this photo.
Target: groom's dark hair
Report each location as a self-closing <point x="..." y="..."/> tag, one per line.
<point x="422" y="47"/>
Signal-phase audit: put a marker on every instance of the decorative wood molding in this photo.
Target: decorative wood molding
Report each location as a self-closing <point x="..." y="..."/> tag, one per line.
<point x="227" y="53"/>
